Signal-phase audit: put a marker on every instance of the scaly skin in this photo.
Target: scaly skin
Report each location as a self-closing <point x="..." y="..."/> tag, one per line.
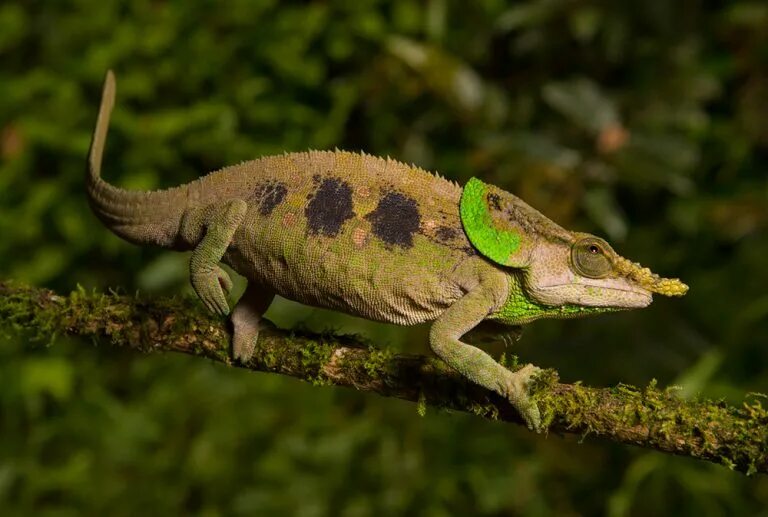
<point x="379" y="239"/>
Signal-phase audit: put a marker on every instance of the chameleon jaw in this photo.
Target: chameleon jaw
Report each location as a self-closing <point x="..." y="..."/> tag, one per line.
<point x="646" y="279"/>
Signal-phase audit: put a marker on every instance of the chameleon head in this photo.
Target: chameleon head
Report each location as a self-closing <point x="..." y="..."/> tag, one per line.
<point x="586" y="271"/>
<point x="553" y="272"/>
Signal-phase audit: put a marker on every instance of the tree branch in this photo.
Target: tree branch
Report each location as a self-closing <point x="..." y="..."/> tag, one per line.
<point x="652" y="418"/>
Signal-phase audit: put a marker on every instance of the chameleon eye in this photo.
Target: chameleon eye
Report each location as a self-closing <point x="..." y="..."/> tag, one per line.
<point x="588" y="258"/>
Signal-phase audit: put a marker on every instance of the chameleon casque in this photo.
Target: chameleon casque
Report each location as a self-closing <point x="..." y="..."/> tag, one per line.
<point x="375" y="238"/>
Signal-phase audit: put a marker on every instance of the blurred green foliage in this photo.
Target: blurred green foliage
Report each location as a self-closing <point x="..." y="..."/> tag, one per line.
<point x="646" y="122"/>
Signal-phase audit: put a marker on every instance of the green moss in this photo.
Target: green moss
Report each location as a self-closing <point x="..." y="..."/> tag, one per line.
<point x="510" y="362"/>
<point x="489" y="410"/>
<point x="421" y="405"/>
<point x="314" y="355"/>
<point x="377" y="361"/>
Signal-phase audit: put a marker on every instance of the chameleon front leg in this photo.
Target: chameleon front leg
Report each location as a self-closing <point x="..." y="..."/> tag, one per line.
<point x="209" y="280"/>
<point x="247" y="321"/>
<point x="473" y="363"/>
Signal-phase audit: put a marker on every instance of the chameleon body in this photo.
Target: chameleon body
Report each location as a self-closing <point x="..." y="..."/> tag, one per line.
<point x="379" y="239"/>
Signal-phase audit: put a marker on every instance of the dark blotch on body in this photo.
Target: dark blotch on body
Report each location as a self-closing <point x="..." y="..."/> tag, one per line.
<point x="446" y="234"/>
<point x="268" y="196"/>
<point x="396" y="219"/>
<point x="453" y="238"/>
<point x="329" y="208"/>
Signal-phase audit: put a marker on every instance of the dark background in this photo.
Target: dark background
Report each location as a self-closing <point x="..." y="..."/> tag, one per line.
<point x="644" y="122"/>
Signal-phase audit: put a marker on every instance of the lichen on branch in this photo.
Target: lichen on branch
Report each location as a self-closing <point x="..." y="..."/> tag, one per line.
<point x="650" y="417"/>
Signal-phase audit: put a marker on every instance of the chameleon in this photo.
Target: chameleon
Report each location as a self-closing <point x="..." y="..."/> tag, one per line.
<point x="375" y="238"/>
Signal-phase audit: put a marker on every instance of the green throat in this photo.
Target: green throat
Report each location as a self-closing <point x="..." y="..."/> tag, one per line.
<point x="519" y="308"/>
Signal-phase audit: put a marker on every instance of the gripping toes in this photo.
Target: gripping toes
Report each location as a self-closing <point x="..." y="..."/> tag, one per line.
<point x="243" y="344"/>
<point x="246" y="333"/>
<point x="518" y="392"/>
<point x="212" y="286"/>
<point x="246" y="337"/>
<point x="247" y="320"/>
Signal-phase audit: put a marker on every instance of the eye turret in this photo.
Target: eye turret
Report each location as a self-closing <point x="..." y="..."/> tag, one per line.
<point x="589" y="258"/>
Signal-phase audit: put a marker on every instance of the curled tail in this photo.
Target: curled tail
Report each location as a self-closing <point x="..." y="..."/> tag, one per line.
<point x="139" y="217"/>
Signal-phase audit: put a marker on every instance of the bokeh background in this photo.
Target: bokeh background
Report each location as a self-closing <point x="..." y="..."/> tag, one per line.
<point x="645" y="122"/>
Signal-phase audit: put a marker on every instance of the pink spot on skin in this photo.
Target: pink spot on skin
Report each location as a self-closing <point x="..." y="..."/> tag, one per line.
<point x="363" y="192"/>
<point x="359" y="237"/>
<point x="289" y="219"/>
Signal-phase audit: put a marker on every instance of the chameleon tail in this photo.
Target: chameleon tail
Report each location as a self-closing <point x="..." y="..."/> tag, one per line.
<point x="139" y="217"/>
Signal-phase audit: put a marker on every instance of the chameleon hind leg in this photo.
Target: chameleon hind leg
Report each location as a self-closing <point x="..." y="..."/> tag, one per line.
<point x="475" y="364"/>
<point x="209" y="280"/>
<point x="247" y="320"/>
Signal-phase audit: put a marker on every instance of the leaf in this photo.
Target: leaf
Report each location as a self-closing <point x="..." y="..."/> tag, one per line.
<point x="444" y="74"/>
<point x="583" y="103"/>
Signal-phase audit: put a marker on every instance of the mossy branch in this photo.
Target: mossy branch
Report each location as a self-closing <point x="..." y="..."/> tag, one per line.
<point x="656" y="419"/>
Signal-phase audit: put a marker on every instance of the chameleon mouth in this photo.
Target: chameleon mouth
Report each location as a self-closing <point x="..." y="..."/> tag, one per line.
<point x="630" y="297"/>
<point x="636" y="298"/>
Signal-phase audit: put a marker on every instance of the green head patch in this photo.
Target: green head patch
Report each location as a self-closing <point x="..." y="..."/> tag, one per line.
<point x="501" y="226"/>
<point x="491" y="237"/>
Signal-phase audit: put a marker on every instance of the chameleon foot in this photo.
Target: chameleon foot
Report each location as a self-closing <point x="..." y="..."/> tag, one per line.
<point x="245" y="337"/>
<point x="247" y="320"/>
<point x="212" y="286"/>
<point x="518" y="394"/>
